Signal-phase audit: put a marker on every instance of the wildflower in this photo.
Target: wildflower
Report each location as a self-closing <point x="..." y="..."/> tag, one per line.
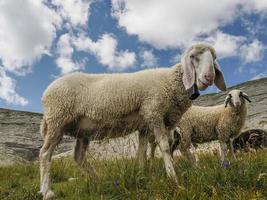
<point x="226" y="164"/>
<point x="117" y="183"/>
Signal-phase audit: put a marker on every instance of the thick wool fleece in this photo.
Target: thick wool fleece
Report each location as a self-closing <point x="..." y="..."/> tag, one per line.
<point x="145" y="97"/>
<point x="205" y="124"/>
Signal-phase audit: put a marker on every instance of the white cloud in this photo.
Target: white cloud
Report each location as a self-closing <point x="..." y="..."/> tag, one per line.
<point x="178" y="24"/>
<point x="7" y="90"/>
<point x="173" y="23"/>
<point x="177" y="58"/>
<point x="74" y="11"/>
<point x="252" y="52"/>
<point x="28" y="28"/>
<point x="259" y="6"/>
<point x="149" y="59"/>
<point x="226" y="45"/>
<point x="65" y="51"/>
<point x="105" y="49"/>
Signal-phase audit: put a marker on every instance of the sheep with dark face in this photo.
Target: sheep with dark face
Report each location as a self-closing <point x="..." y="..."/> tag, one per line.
<point x="95" y="106"/>
<point x="253" y="138"/>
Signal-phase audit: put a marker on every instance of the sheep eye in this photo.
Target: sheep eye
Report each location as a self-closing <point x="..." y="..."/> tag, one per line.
<point x="194" y="57"/>
<point x="240" y="94"/>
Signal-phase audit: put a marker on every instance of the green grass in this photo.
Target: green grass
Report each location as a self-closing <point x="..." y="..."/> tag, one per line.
<point x="121" y="179"/>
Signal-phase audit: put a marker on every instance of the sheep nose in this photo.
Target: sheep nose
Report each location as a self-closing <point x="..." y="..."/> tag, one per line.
<point x="237" y="104"/>
<point x="208" y="78"/>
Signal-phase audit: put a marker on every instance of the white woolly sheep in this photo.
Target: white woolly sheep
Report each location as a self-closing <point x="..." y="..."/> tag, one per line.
<point x="94" y="106"/>
<point x="205" y="124"/>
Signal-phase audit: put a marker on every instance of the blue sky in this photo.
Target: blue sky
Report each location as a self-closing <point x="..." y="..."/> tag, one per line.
<point x="41" y="40"/>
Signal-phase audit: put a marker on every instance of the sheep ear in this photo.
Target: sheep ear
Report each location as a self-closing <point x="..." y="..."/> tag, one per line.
<point x="245" y="96"/>
<point x="189" y="77"/>
<point x="219" y="79"/>
<point x="227" y="100"/>
<point x="176" y="134"/>
<point x="188" y="72"/>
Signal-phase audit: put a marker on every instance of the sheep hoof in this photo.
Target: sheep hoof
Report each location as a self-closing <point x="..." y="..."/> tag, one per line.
<point x="49" y="195"/>
<point x="226" y="164"/>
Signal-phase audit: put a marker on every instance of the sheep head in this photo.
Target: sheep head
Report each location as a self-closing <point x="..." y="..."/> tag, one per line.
<point x="200" y="69"/>
<point x="236" y="98"/>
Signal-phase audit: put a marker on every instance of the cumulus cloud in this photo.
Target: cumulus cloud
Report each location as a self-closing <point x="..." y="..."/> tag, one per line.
<point x="105" y="49"/>
<point x="7" y="90"/>
<point x="178" y="24"/>
<point x="28" y="28"/>
<point x="259" y="6"/>
<point x="76" y="12"/>
<point x="226" y="45"/>
<point x="252" y="52"/>
<point x="149" y="59"/>
<point x="65" y="53"/>
<point x="173" y="23"/>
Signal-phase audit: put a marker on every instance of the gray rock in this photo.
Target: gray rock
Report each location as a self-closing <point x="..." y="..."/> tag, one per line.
<point x="20" y="137"/>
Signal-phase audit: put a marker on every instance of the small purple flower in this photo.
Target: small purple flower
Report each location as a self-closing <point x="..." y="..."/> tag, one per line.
<point x="226" y="164"/>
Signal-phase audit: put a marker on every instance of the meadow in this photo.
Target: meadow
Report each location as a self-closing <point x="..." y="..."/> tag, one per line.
<point x="122" y="179"/>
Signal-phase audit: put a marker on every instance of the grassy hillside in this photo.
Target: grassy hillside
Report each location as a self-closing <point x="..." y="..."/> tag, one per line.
<point x="121" y="179"/>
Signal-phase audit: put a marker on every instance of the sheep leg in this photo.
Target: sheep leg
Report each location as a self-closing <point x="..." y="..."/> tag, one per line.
<point x="231" y="148"/>
<point x="185" y="150"/>
<point x="185" y="144"/>
<point x="153" y="146"/>
<point x="162" y="140"/>
<point x="223" y="151"/>
<point x="51" y="140"/>
<point x="142" y="149"/>
<point x="79" y="156"/>
<point x="80" y="150"/>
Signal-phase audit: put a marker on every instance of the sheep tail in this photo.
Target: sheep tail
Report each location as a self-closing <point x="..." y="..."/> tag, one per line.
<point x="43" y="128"/>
